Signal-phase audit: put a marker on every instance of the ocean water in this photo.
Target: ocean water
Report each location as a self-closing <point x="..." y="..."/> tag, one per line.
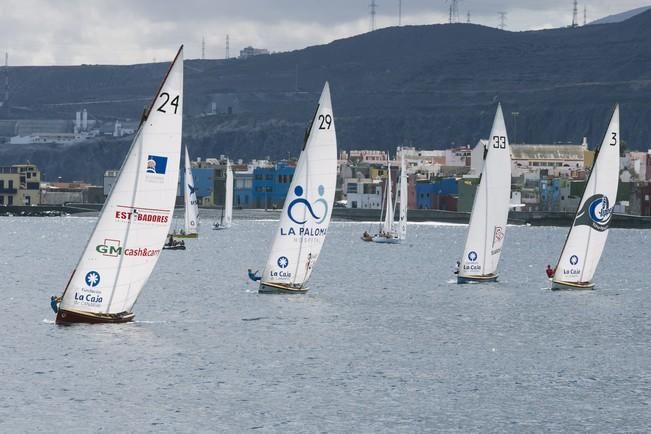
<point x="384" y="341"/>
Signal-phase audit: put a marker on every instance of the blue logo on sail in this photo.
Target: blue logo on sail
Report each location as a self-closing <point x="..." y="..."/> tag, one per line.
<point x="283" y="262"/>
<point x="92" y="279"/>
<point x="293" y="210"/>
<point x="574" y="259"/>
<point x="595" y="213"/>
<point x="156" y="164"/>
<point x="472" y="256"/>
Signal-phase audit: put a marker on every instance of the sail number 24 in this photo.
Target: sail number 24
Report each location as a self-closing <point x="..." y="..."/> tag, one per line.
<point x="166" y="99"/>
<point x="499" y="142"/>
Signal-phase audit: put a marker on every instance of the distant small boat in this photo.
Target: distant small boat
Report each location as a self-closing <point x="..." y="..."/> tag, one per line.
<point x="226" y="219"/>
<point x="390" y="232"/>
<point x="190" y="203"/>
<point x="125" y="244"/>
<point x="306" y="213"/>
<point x="586" y="238"/>
<point x="490" y="210"/>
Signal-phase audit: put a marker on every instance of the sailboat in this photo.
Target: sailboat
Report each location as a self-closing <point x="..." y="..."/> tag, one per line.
<point x="306" y="213"/>
<point x="390" y="232"/>
<point x="587" y="237"/>
<point x="190" y="203"/>
<point x="132" y="226"/>
<point x="227" y="211"/>
<point x="490" y="209"/>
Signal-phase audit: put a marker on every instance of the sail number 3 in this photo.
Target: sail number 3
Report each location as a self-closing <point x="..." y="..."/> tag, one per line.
<point x="613" y="139"/>
<point x="166" y="99"/>
<point x="499" y="142"/>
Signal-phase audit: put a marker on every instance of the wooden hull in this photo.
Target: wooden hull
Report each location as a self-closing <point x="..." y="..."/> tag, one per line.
<point x="477" y="279"/>
<point x="556" y="286"/>
<point x="275" y="288"/>
<point x="369" y="238"/>
<point x="76" y="317"/>
<point x="186" y="235"/>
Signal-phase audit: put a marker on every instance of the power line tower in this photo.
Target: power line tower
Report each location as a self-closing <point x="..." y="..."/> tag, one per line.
<point x="468" y="18"/>
<point x="6" y="104"/>
<point x="228" y="46"/>
<point x="203" y="48"/>
<point x="453" y="11"/>
<point x="585" y="15"/>
<point x="502" y="15"/>
<point x="399" y="13"/>
<point x="575" y="14"/>
<point x="373" y="7"/>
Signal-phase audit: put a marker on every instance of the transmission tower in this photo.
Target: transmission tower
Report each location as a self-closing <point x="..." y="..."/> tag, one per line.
<point x="372" y="7"/>
<point x="468" y="17"/>
<point x="399" y="13"/>
<point x="502" y="15"/>
<point x="453" y="11"/>
<point x="203" y="48"/>
<point x="6" y="104"/>
<point x="228" y="46"/>
<point x="575" y="14"/>
<point x="585" y="15"/>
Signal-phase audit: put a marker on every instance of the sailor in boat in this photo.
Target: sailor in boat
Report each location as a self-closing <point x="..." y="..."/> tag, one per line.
<point x="254" y="276"/>
<point x="54" y="303"/>
<point x="456" y="268"/>
<point x="550" y="271"/>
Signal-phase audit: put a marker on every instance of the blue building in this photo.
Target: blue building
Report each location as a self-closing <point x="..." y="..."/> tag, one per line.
<point x="437" y="195"/>
<point x="204" y="181"/>
<point x="270" y="185"/>
<point x="550" y="194"/>
<point x="243" y="190"/>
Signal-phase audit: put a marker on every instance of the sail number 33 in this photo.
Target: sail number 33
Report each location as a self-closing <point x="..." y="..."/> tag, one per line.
<point x="499" y="142"/>
<point x="166" y="100"/>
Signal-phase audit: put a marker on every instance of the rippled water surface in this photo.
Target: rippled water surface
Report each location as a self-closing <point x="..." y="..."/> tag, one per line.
<point x="383" y="342"/>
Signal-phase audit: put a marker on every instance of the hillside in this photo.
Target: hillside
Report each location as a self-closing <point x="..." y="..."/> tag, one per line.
<point x="428" y="86"/>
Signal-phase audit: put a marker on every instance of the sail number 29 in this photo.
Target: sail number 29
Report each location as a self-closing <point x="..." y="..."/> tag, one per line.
<point x="166" y="99"/>
<point x="499" y="142"/>
<point x="326" y="122"/>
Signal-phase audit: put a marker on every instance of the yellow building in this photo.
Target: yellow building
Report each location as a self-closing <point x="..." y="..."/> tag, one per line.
<point x="20" y="185"/>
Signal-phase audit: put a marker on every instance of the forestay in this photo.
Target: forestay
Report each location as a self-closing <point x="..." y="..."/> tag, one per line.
<point x="133" y="224"/>
<point x="306" y="213"/>
<point x="491" y="206"/>
<point x="587" y="236"/>
<point x="404" y="198"/>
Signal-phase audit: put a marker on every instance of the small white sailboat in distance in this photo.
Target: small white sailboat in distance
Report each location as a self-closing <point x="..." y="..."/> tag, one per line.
<point x="490" y="210"/>
<point x="129" y="234"/>
<point x="388" y="234"/>
<point x="586" y="238"/>
<point x="226" y="219"/>
<point x="190" y="203"/>
<point x="306" y="213"/>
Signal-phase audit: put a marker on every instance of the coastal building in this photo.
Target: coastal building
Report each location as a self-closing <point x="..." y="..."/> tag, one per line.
<point x="20" y="185"/>
<point x="62" y="193"/>
<point x="249" y="51"/>
<point x="440" y="194"/>
<point x="364" y="156"/>
<point x="364" y="193"/>
<point x="271" y="184"/>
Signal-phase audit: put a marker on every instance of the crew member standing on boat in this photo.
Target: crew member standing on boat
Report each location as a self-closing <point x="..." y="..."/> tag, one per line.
<point x="456" y="269"/>
<point x="254" y="276"/>
<point x="550" y="271"/>
<point x="54" y="303"/>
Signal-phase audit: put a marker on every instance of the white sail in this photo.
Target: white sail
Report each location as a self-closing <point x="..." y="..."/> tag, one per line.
<point x="227" y="219"/>
<point x="491" y="206"/>
<point x="190" y="199"/>
<point x="404" y="198"/>
<point x="387" y="226"/>
<point x="133" y="224"/>
<point x="306" y="213"/>
<point x="587" y="236"/>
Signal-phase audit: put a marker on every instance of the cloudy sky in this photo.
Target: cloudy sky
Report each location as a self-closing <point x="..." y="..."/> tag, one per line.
<point x="64" y="32"/>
